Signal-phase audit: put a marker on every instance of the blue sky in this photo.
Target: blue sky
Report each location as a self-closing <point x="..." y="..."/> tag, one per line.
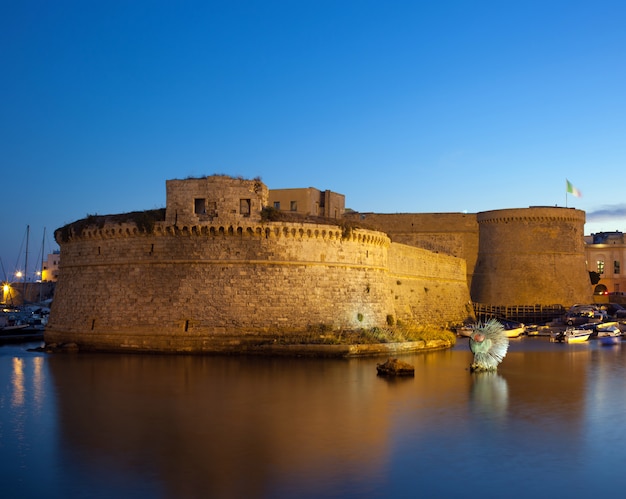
<point x="403" y="106"/>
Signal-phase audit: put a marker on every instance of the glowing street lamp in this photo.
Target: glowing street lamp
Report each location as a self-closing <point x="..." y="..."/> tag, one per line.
<point x="6" y="292"/>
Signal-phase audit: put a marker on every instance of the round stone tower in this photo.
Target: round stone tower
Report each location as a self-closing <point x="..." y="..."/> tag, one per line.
<point x="531" y="256"/>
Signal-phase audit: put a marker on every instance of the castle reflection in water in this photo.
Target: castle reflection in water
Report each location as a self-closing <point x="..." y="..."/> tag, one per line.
<point x="196" y="426"/>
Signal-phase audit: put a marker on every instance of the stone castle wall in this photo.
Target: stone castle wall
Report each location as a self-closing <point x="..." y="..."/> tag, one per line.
<point x="531" y="256"/>
<point x="211" y="287"/>
<point x="453" y="234"/>
<point x="526" y="256"/>
<point x="427" y="286"/>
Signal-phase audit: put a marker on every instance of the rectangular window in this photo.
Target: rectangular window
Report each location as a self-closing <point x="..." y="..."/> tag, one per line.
<point x="294" y="206"/>
<point x="244" y="207"/>
<point x="616" y="267"/>
<point x="199" y="206"/>
<point x="600" y="264"/>
<point x="277" y="205"/>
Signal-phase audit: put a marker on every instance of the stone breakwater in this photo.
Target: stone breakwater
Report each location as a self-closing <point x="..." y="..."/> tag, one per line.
<point x="209" y="287"/>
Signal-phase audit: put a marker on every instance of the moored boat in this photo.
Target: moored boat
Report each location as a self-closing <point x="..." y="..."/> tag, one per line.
<point x="512" y="329"/>
<point x="611" y="335"/>
<point x="571" y="335"/>
<point x="612" y="339"/>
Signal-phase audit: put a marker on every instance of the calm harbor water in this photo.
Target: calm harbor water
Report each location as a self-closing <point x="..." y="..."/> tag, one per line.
<point x="548" y="424"/>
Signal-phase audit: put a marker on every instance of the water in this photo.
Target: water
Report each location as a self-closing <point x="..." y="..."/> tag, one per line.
<point x="548" y="424"/>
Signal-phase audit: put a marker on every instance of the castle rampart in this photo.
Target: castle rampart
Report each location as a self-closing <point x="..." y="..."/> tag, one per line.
<point x="453" y="234"/>
<point x="214" y="286"/>
<point x="515" y="257"/>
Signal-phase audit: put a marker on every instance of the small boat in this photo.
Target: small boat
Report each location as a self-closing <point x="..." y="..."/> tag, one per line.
<point x="514" y="331"/>
<point x="607" y="326"/>
<point x="613" y="339"/>
<point x="571" y="335"/>
<point x="610" y="336"/>
<point x="465" y="331"/>
<point x="17" y="326"/>
<point x="19" y="333"/>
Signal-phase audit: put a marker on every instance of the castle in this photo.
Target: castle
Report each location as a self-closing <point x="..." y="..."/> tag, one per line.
<point x="214" y="273"/>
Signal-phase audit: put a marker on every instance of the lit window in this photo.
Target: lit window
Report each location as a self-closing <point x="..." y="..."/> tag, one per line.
<point x="600" y="264"/>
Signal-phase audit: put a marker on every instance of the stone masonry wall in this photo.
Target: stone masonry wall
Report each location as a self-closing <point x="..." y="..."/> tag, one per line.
<point x="209" y="287"/>
<point x="454" y="234"/>
<point x="428" y="287"/>
<point x="532" y="256"/>
<point x="220" y="199"/>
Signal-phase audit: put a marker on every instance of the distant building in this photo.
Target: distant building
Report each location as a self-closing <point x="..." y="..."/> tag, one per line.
<point x="50" y="267"/>
<point x="308" y="201"/>
<point x="605" y="252"/>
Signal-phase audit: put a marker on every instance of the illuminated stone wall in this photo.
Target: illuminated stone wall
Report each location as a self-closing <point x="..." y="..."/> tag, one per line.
<point x="453" y="234"/>
<point x="213" y="287"/>
<point x="531" y="256"/>
<point x="526" y="256"/>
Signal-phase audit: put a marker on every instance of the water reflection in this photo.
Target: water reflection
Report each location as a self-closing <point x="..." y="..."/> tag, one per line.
<point x="490" y="395"/>
<point x="17" y="380"/>
<point x="160" y="426"/>
<point x="225" y="426"/>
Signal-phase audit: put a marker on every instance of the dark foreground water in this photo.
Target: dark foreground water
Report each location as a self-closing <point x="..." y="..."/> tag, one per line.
<point x="550" y="423"/>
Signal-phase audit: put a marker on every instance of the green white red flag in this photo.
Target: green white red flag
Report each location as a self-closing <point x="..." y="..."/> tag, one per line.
<point x="572" y="190"/>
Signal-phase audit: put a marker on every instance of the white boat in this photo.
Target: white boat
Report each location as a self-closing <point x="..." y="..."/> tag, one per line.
<point x="512" y="329"/>
<point x="571" y="335"/>
<point x="515" y="332"/>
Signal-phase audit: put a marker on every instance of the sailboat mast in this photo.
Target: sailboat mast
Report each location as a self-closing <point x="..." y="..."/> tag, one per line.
<point x="25" y="265"/>
<point x="43" y="250"/>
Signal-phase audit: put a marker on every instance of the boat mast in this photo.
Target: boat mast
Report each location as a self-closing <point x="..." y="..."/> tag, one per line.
<point x="43" y="244"/>
<point x="25" y="266"/>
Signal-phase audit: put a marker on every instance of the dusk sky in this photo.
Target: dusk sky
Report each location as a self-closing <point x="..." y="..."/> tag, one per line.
<point x="402" y="106"/>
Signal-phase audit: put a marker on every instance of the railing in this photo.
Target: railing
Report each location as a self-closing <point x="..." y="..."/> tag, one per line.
<point x="528" y="314"/>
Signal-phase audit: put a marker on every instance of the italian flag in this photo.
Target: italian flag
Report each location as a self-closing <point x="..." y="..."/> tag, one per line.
<point x="572" y="190"/>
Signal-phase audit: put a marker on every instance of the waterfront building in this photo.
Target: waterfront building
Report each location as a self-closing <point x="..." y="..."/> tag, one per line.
<point x="605" y="253"/>
<point x="50" y="267"/>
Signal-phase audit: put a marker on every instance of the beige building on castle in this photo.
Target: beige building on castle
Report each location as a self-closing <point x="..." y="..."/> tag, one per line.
<point x="308" y="201"/>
